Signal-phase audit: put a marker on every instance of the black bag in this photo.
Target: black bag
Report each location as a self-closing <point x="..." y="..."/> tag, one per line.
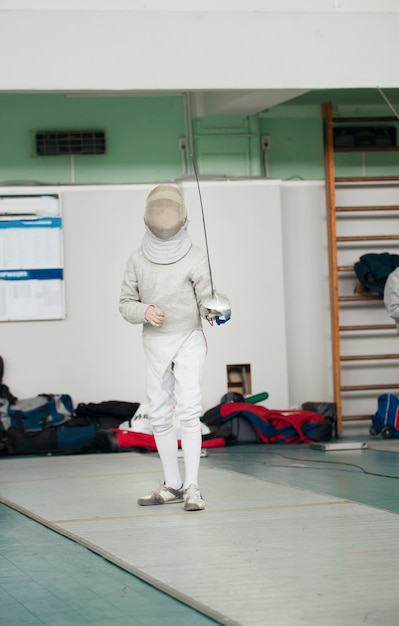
<point x="5" y="393"/>
<point x="235" y="430"/>
<point x="327" y="409"/>
<point x="107" y="414"/>
<point x="71" y="437"/>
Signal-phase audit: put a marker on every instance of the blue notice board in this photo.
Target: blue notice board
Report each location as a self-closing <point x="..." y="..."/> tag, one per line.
<point x="31" y="258"/>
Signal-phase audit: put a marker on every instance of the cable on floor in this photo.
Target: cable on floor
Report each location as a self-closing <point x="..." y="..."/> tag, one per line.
<point x="291" y="458"/>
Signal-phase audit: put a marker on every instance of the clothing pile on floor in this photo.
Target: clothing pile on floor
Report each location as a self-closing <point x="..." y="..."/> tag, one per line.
<point x="50" y="423"/>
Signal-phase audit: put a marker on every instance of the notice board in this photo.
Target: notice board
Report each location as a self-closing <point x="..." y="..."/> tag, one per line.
<point x="31" y="258"/>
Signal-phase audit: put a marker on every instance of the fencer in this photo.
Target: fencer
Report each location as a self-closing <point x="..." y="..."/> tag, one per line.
<point x="165" y="283"/>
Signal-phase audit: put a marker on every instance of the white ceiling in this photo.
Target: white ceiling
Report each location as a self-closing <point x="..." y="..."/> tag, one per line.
<point x="241" y="102"/>
<point x="207" y="103"/>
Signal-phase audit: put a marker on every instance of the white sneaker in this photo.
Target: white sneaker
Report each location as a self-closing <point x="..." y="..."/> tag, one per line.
<point x="193" y="500"/>
<point x="162" y="495"/>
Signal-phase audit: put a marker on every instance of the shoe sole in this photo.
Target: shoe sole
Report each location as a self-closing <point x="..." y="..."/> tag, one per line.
<point x="146" y="503"/>
<point x="194" y="507"/>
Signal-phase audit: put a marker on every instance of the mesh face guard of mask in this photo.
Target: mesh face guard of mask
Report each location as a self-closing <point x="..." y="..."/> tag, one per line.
<point x="165" y="212"/>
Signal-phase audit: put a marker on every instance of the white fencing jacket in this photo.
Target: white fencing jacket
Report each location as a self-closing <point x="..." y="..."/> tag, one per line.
<point x="391" y="296"/>
<point x="176" y="288"/>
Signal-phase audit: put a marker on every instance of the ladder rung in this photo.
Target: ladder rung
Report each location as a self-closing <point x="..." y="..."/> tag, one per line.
<point x="359" y="298"/>
<point x="370" y="357"/>
<point x="345" y="268"/>
<point x="367" y="149"/>
<point x="364" y="179"/>
<point x="368" y="387"/>
<point x="355" y="418"/>
<point x="361" y="327"/>
<point x="369" y="238"/>
<point x="365" y="209"/>
<point x="362" y="120"/>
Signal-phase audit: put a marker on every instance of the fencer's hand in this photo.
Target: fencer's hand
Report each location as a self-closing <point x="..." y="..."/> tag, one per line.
<point x="154" y="315"/>
<point x="209" y="317"/>
<point x="214" y="316"/>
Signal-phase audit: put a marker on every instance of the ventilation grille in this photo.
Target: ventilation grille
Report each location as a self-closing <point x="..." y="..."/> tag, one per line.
<point x="364" y="136"/>
<point x="56" y="143"/>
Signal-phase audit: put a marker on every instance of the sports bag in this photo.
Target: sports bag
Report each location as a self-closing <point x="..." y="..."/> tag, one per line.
<point x="386" y="419"/>
<point x="327" y="409"/>
<point x="107" y="414"/>
<point x="35" y="414"/>
<point x="4" y="390"/>
<point x="268" y="425"/>
<point x="74" y="437"/>
<point x="118" y="440"/>
<point x="237" y="429"/>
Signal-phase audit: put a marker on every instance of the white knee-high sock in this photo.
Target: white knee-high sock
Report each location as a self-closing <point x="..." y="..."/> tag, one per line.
<point x="166" y="442"/>
<point x="191" y="440"/>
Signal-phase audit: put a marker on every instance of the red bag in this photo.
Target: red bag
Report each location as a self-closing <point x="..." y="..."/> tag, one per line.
<point x="115" y="439"/>
<point x="271" y="425"/>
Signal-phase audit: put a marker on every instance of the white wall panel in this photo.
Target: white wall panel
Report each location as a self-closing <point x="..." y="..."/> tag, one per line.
<point x="268" y="248"/>
<point x="306" y="292"/>
<point x="96" y="355"/>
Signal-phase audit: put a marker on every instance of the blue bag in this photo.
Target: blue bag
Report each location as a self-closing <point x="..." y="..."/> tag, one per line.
<point x="386" y="420"/>
<point x="75" y="436"/>
<point x="36" y="414"/>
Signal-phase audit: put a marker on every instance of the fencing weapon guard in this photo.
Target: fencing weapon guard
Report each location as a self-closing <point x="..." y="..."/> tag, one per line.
<point x="217" y="307"/>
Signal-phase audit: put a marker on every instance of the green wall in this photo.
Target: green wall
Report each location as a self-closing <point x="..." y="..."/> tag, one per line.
<point x="142" y="134"/>
<point x="296" y="143"/>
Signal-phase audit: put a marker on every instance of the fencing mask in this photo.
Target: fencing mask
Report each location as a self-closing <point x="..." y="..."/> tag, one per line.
<point x="165" y="212"/>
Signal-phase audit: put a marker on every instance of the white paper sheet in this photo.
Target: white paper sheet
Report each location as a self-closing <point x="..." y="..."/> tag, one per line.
<point x="31" y="258"/>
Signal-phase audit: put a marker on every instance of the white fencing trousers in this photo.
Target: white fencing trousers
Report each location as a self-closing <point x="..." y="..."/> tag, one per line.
<point x="175" y="366"/>
<point x="175" y="369"/>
